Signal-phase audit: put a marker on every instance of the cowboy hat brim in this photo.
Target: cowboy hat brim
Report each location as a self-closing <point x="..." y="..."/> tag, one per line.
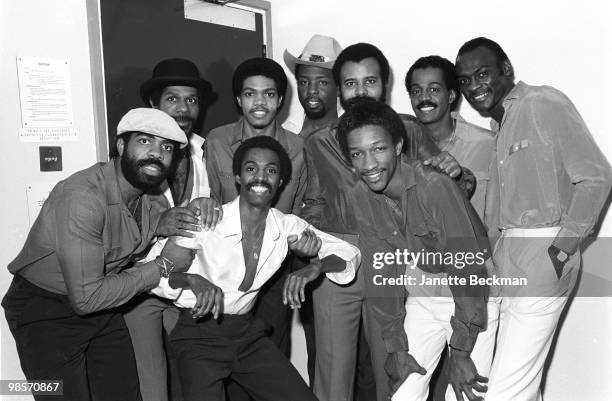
<point x="161" y="82"/>
<point x="291" y="62"/>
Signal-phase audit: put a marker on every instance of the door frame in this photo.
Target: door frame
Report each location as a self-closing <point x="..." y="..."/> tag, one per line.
<point x="96" y="59"/>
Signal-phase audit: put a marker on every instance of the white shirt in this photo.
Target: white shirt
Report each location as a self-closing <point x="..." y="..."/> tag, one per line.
<point x="220" y="259"/>
<point x="201" y="188"/>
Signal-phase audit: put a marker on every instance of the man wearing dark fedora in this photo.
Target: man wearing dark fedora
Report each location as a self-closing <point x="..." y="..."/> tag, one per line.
<point x="177" y="89"/>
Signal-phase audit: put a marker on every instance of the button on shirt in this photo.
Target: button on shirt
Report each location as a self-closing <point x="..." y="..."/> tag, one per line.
<point x="220" y="258"/>
<point x="550" y="170"/>
<point x="84" y="236"/>
<point x="222" y="142"/>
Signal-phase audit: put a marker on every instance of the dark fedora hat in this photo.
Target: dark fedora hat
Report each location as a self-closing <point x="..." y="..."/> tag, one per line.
<point x="174" y="72"/>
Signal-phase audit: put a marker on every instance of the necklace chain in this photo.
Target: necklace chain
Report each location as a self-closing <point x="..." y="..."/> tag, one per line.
<point x="133" y="211"/>
<point x="251" y="242"/>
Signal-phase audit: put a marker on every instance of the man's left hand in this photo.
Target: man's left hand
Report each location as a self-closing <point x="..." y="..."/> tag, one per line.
<point x="293" y="290"/>
<point x="558" y="259"/>
<point x="464" y="377"/>
<point x="445" y="163"/>
<point x="398" y="366"/>
<point x="307" y="246"/>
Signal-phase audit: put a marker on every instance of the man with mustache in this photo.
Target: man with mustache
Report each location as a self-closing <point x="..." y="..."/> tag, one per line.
<point x="76" y="265"/>
<point x="410" y="206"/>
<point x="550" y="185"/>
<point x="316" y="89"/>
<point x="434" y="95"/>
<point x="318" y="95"/>
<point x="177" y="89"/>
<point x="217" y="339"/>
<point x="360" y="71"/>
<point x="259" y="87"/>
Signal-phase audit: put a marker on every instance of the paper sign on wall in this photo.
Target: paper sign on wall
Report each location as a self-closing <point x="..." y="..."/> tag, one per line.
<point x="46" y="100"/>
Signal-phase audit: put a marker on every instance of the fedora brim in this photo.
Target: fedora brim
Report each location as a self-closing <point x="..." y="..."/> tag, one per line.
<point x="161" y="82"/>
<point x="291" y="62"/>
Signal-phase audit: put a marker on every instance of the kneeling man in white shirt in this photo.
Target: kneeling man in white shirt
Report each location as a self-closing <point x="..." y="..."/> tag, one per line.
<point x="216" y="337"/>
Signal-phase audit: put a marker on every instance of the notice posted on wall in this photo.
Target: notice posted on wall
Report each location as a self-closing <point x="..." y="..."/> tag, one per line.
<point x="45" y="99"/>
<point x="37" y="193"/>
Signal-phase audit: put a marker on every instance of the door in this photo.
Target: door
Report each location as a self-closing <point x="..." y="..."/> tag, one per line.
<point x="137" y="34"/>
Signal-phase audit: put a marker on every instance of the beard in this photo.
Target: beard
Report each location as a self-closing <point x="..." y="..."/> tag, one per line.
<point x="132" y="171"/>
<point x="348" y="103"/>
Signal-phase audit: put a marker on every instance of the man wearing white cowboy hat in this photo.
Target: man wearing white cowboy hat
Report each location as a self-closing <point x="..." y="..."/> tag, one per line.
<point x="177" y="89"/>
<point x="316" y="89"/>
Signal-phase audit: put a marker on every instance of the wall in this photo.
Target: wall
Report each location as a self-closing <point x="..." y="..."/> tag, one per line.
<point x="564" y="43"/>
<point x="556" y="43"/>
<point x="51" y="29"/>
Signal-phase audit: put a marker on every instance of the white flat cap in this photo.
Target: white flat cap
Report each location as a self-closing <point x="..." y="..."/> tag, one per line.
<point x="154" y="122"/>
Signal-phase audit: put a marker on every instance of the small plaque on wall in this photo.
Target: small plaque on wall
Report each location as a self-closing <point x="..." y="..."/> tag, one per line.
<point x="50" y="158"/>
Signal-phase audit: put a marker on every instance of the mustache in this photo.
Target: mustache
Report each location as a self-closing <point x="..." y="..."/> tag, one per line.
<point x="350" y="103"/>
<point x="183" y="119"/>
<point x="147" y="162"/>
<point x="314" y="99"/>
<point x="259" y="183"/>
<point x="426" y="103"/>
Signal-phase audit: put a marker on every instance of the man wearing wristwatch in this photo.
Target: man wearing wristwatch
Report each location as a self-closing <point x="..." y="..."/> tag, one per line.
<point x="551" y="184"/>
<point x="76" y="265"/>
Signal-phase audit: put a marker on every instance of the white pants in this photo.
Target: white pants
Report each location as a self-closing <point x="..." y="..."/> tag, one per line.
<point x="427" y="325"/>
<point x="527" y="320"/>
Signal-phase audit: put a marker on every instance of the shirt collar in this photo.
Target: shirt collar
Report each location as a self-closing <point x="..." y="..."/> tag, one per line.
<point x="230" y="225"/>
<point x="113" y="193"/>
<point x="195" y="144"/>
<point x="518" y="91"/>
<point x="238" y="137"/>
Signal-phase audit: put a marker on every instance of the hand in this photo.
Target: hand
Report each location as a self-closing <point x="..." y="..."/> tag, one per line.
<point x="307" y="246"/>
<point x="398" y="366"/>
<point x="180" y="256"/>
<point x="464" y="377"/>
<point x="558" y="259"/>
<point x="209" y="211"/>
<point x="445" y="163"/>
<point x="209" y="297"/>
<point x="177" y="221"/>
<point x="293" y="289"/>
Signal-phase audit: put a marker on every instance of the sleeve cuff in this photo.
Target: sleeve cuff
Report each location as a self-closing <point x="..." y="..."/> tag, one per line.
<point x="464" y="335"/>
<point x="150" y="275"/>
<point x="396" y="344"/>
<point x="567" y="240"/>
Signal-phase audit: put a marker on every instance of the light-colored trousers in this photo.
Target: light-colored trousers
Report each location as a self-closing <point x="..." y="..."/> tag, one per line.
<point x="529" y="315"/>
<point x="429" y="330"/>
<point x="145" y="322"/>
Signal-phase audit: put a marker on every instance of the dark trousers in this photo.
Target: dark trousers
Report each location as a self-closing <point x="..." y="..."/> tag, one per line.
<point x="92" y="354"/>
<point x="209" y="352"/>
<point x="277" y="317"/>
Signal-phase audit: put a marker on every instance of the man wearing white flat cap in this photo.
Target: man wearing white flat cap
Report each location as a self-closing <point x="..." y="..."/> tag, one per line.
<point x="76" y="265"/>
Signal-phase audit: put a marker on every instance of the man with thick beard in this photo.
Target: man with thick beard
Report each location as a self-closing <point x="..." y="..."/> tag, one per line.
<point x="74" y="268"/>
